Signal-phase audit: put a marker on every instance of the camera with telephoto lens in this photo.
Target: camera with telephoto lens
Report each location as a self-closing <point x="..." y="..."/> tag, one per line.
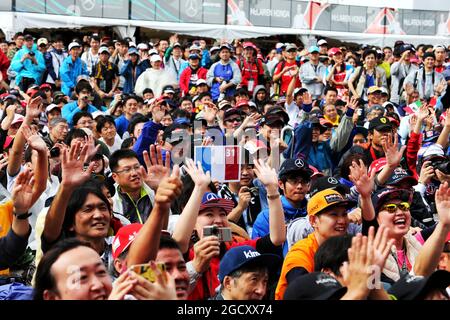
<point x="442" y="164"/>
<point x="224" y="234"/>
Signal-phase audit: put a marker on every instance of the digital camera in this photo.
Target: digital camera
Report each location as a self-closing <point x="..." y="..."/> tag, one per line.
<point x="224" y="234"/>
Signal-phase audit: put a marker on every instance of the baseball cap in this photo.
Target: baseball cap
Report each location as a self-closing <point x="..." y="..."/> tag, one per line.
<point x="17" y="118"/>
<point x="275" y="113"/>
<point x="152" y="52"/>
<point x="377" y="165"/>
<point x="168" y="89"/>
<point x="194" y="56"/>
<point x="241" y="103"/>
<point x="334" y="51"/>
<point x="291" y="46"/>
<point x="195" y="47"/>
<point x="124" y="238"/>
<point x="379" y="123"/>
<point x="74" y="45"/>
<point x="177" y="44"/>
<point x="313" y="49"/>
<point x="373" y="89"/>
<point x="362" y="130"/>
<point x="212" y="200"/>
<point x="381" y="196"/>
<point x="45" y="85"/>
<point x="103" y="50"/>
<point x="314" y="286"/>
<point x="224" y="46"/>
<point x="42" y="41"/>
<point x="401" y="175"/>
<point x="248" y="45"/>
<point x="222" y="104"/>
<point x="52" y="106"/>
<point x="384" y="91"/>
<point x="432" y="150"/>
<point x="142" y="46"/>
<point x="295" y="166"/>
<point x="58" y="94"/>
<point x="299" y="91"/>
<point x="327" y="182"/>
<point x="326" y="199"/>
<point x="213" y="49"/>
<point x="28" y="37"/>
<point x="133" y="50"/>
<point x="245" y="256"/>
<point x="155" y="58"/>
<point x="321" y="42"/>
<point x="231" y="111"/>
<point x="416" y="287"/>
<point x="200" y="82"/>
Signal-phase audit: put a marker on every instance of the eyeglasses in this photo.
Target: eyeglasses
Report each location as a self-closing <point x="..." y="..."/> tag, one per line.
<point x="297" y="181"/>
<point x="359" y="141"/>
<point x="127" y="170"/>
<point x="234" y="120"/>
<point x="392" y="207"/>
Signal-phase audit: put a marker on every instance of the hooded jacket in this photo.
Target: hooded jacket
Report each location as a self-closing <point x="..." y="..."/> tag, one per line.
<point x="259" y="104"/>
<point x="261" y="225"/>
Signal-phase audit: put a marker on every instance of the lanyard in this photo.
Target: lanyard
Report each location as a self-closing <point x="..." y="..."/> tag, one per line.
<point x="372" y="152"/>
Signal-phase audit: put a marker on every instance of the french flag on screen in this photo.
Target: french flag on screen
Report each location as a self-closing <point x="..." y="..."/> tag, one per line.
<point x="223" y="162"/>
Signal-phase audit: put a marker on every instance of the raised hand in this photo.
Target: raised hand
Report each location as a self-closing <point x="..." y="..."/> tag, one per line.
<point x="360" y="178"/>
<point x="379" y="246"/>
<point x="393" y="154"/>
<point x="162" y="289"/>
<point x="73" y="173"/>
<point x="22" y="193"/>
<point x="210" y="112"/>
<point x="422" y="113"/>
<point x="3" y="161"/>
<point x="200" y="178"/>
<point x="353" y="103"/>
<point x="34" y="108"/>
<point x="266" y="174"/>
<point x="157" y="169"/>
<point x="443" y="204"/>
<point x="307" y="98"/>
<point x="169" y="189"/>
<point x="91" y="148"/>
<point x="33" y="139"/>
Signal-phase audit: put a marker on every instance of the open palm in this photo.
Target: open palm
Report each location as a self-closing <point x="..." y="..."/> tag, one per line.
<point x="22" y="193"/>
<point x="443" y="203"/>
<point x="200" y="178"/>
<point x="157" y="169"/>
<point x="73" y="172"/>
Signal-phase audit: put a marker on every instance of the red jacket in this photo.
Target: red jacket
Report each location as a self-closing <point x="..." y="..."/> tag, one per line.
<point x="209" y="280"/>
<point x="251" y="71"/>
<point x="412" y="149"/>
<point x="4" y="65"/>
<point x="185" y="78"/>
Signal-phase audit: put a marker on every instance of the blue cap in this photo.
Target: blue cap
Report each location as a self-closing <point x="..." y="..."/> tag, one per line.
<point x="133" y="50"/>
<point x="313" y="49"/>
<point x="182" y="121"/>
<point x="241" y="256"/>
<point x="212" y="200"/>
<point x="194" y="56"/>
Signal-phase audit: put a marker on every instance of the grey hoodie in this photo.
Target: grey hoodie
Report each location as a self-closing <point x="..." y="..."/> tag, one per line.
<point x="259" y="104"/>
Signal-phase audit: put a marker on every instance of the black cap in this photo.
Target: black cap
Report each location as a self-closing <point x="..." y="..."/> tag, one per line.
<point x="415" y="288"/>
<point x="28" y="37"/>
<point x="326" y="182"/>
<point x="314" y="286"/>
<point x="427" y="55"/>
<point x="295" y="166"/>
<point x="400" y="175"/>
<point x="381" y="196"/>
<point x="380" y="123"/>
<point x="275" y="114"/>
<point x="406" y="47"/>
<point x="231" y="111"/>
<point x="362" y="130"/>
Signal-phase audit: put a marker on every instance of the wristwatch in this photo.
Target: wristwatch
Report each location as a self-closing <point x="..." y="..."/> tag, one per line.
<point x="22" y="216"/>
<point x="273" y="196"/>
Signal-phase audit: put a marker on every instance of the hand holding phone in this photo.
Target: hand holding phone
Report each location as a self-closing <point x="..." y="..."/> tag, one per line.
<point x="147" y="272"/>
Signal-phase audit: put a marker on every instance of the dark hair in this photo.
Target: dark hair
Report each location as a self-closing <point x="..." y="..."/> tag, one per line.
<point x="129" y="98"/>
<point x="76" y="202"/>
<point x="96" y="38"/>
<point x="75" y="133"/>
<point x="135" y="119"/>
<point x="347" y="162"/>
<point x="180" y="113"/>
<point x="124" y="42"/>
<point x="18" y="34"/>
<point x="80" y="115"/>
<point x="369" y="52"/>
<point x="83" y="85"/>
<point x="204" y="94"/>
<point x="119" y="155"/>
<point x="127" y="143"/>
<point x="44" y="279"/>
<point x="332" y="253"/>
<point x="186" y="98"/>
<point x="147" y="90"/>
<point x="167" y="242"/>
<point x="103" y="121"/>
<point x="330" y="89"/>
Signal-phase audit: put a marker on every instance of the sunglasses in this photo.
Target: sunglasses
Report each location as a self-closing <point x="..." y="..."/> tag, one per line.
<point x="234" y="120"/>
<point x="392" y="207"/>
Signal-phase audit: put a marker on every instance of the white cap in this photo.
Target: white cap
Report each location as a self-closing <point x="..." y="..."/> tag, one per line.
<point x="153" y="51"/>
<point x="103" y="49"/>
<point x="155" y="57"/>
<point x="142" y="46"/>
<point x="322" y="42"/>
<point x="131" y="44"/>
<point x="431" y="150"/>
<point x="74" y="45"/>
<point x="279" y="45"/>
<point x="195" y="47"/>
<point x="200" y="81"/>
<point x="17" y="118"/>
<point x="52" y="106"/>
<point x="42" y="41"/>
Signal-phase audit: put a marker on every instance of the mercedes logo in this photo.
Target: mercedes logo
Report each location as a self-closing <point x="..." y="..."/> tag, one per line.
<point x="332" y="180"/>
<point x="192" y="7"/>
<point x="299" y="163"/>
<point x="88" y="5"/>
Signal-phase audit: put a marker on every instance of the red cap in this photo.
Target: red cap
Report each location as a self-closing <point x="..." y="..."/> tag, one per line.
<point x="124" y="238"/>
<point x="248" y="45"/>
<point x="45" y="85"/>
<point x="242" y="103"/>
<point x="334" y="51"/>
<point x="377" y="166"/>
<point x="316" y="172"/>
